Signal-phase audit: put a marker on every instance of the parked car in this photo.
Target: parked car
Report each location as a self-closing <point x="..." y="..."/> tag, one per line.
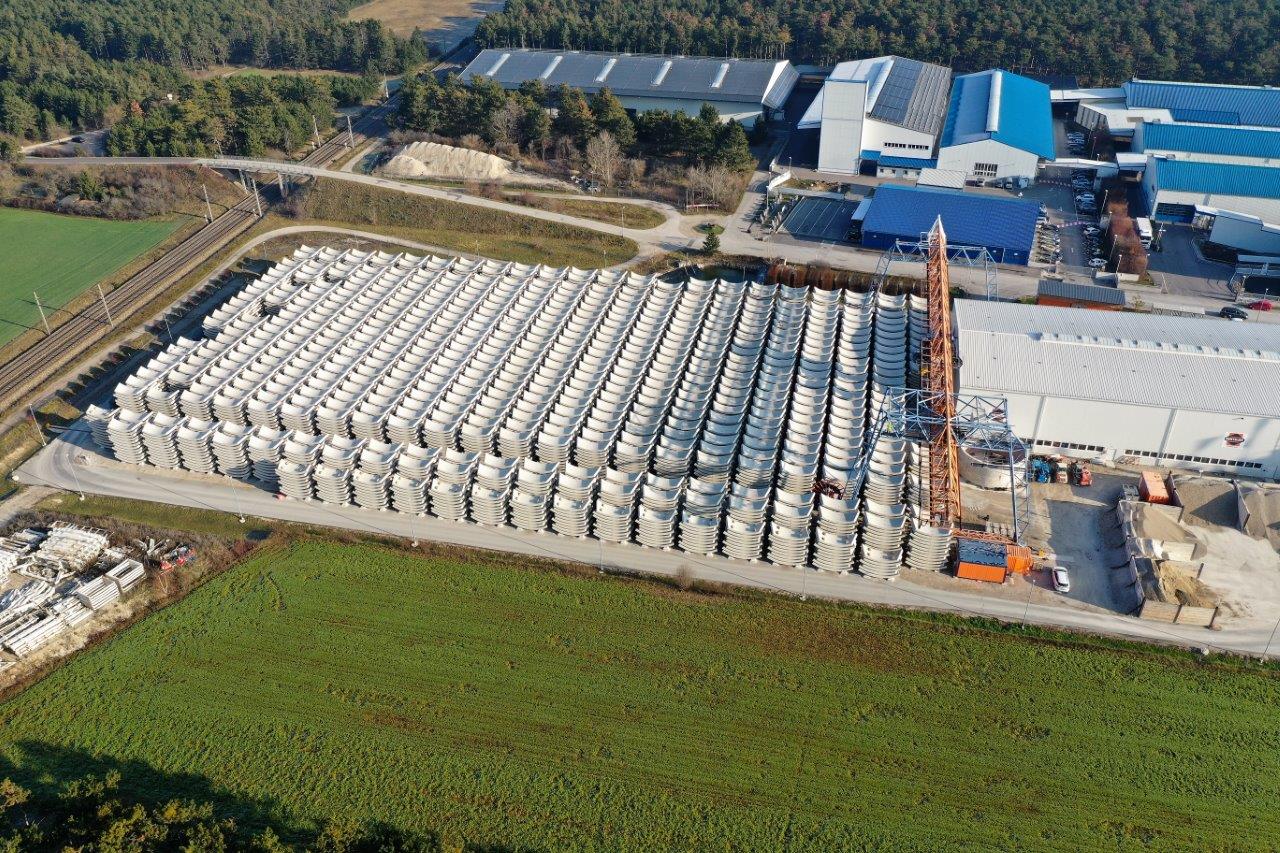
<point x="1262" y="305"/>
<point x="1061" y="580"/>
<point x="1097" y="263"/>
<point x="1233" y="312"/>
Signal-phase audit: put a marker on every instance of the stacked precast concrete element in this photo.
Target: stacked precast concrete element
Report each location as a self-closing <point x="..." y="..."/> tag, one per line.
<point x="696" y="414"/>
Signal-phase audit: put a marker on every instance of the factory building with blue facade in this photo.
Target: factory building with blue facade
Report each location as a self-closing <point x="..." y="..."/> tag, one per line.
<point x="1006" y="227"/>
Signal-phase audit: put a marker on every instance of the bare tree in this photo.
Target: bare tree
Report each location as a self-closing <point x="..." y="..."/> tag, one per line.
<point x="635" y="171"/>
<point x="604" y="157"/>
<point x="701" y="190"/>
<point x="505" y="124"/>
<point x="723" y="187"/>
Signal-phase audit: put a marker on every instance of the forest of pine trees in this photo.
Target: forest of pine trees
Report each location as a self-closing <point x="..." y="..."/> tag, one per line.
<point x="1102" y="41"/>
<point x="66" y="65"/>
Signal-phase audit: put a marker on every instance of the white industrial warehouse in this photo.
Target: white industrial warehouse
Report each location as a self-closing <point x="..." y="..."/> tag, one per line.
<point x="739" y="89"/>
<point x="1181" y="392"/>
<point x="871" y="109"/>
<point x="691" y="414"/>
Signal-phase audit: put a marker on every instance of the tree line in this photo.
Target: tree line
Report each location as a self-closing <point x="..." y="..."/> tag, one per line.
<point x="1101" y="41"/>
<point x="245" y="114"/>
<point x="76" y="64"/>
<point x="536" y="117"/>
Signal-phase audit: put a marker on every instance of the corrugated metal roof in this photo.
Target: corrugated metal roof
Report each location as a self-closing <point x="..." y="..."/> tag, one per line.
<point x="1188" y="363"/>
<point x="1080" y="291"/>
<point x="634" y="75"/>
<point x="1003" y="106"/>
<point x="1216" y="178"/>
<point x="1211" y="139"/>
<point x="949" y="178"/>
<point x="970" y="219"/>
<point x="1208" y="103"/>
<point x="904" y="92"/>
<point x="907" y="162"/>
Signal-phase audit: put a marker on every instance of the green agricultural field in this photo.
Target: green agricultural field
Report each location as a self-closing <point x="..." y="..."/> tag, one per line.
<point x="533" y="710"/>
<point x="60" y="257"/>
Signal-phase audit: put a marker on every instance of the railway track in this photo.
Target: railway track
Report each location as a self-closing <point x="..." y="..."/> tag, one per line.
<point x="22" y="373"/>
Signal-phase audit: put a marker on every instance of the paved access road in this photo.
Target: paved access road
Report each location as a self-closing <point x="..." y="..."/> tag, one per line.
<point x="677" y="234"/>
<point x="72" y="463"/>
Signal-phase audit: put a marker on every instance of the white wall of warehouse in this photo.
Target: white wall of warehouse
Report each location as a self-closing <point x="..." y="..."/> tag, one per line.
<point x="1163" y="433"/>
<point x="1010" y="162"/>
<point x="844" y="107"/>
<point x="876" y="136"/>
<point x="744" y="113"/>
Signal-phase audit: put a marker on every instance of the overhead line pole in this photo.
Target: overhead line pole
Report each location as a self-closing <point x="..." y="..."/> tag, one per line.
<point x="107" y="310"/>
<point x="43" y="318"/>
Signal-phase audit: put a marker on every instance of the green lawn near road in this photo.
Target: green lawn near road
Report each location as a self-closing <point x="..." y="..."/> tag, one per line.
<point x="535" y="710"/>
<point x="60" y="257"/>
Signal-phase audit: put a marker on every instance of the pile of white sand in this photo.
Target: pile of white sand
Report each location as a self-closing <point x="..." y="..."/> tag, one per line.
<point x="433" y="160"/>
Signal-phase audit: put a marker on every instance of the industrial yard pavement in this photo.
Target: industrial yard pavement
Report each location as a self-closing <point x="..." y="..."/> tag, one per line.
<point x="72" y="463"/>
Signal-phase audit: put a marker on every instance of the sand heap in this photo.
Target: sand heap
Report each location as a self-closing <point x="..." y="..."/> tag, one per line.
<point x="433" y="160"/>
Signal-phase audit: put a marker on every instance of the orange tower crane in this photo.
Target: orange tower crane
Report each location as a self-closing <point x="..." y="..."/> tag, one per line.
<point x="939" y="382"/>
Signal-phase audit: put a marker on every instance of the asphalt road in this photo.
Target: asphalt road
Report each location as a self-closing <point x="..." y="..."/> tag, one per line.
<point x="72" y="463"/>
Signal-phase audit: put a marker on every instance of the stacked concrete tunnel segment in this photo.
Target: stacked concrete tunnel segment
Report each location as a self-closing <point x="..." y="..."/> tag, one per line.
<point x="745" y="418"/>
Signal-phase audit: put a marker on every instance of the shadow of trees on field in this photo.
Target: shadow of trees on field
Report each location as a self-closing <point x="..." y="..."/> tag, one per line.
<point x="87" y="800"/>
<point x="46" y="769"/>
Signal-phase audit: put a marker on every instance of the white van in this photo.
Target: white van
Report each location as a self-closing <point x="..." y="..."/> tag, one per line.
<point x="1143" y="224"/>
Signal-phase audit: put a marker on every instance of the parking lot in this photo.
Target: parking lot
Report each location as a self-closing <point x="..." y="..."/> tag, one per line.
<point x="823" y="219"/>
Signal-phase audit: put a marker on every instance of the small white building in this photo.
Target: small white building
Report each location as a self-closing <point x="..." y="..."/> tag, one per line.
<point x="999" y="125"/>
<point x="1181" y="392"/>
<point x="884" y="107"/>
<point x="739" y="89"/>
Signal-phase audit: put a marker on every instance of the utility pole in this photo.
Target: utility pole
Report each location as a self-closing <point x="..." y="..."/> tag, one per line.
<point x="208" y="208"/>
<point x="43" y="318"/>
<point x="315" y="133"/>
<point x="40" y="432"/>
<point x="351" y="137"/>
<point x="105" y="309"/>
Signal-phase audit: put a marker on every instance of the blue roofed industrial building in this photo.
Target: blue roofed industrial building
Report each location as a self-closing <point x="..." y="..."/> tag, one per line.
<point x="1006" y="227"/>
<point x="998" y="125"/>
<point x="1207" y="103"/>
<point x="1247" y="146"/>
<point x="1178" y="190"/>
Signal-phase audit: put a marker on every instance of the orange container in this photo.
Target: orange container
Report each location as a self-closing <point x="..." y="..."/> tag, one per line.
<point x="979" y="572"/>
<point x="1151" y="488"/>
<point x="1018" y="559"/>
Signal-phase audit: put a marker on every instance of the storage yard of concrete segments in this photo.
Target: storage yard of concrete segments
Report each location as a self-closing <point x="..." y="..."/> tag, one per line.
<point x="751" y="430"/>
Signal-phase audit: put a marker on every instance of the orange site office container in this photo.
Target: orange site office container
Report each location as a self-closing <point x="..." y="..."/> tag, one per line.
<point x="979" y="572"/>
<point x="1151" y="488"/>
<point x="1018" y="559"/>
